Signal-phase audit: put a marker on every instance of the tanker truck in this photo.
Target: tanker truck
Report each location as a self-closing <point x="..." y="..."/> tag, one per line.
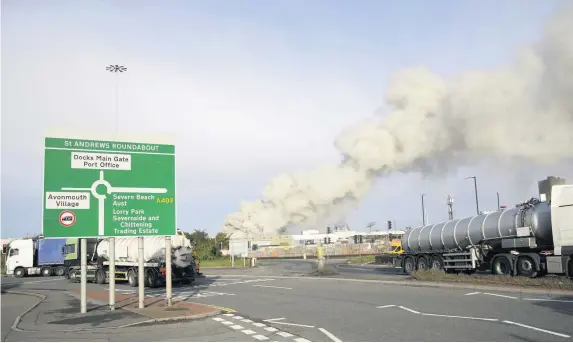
<point x="532" y="239"/>
<point x="127" y="261"/>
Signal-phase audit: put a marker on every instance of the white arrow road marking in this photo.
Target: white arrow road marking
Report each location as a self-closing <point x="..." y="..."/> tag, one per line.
<point x="331" y="336"/>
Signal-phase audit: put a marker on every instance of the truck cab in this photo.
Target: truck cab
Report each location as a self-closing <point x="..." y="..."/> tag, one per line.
<point x="562" y="228"/>
<point x="20" y="257"/>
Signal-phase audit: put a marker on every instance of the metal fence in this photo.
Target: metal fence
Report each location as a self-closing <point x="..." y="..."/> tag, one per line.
<point x="332" y="250"/>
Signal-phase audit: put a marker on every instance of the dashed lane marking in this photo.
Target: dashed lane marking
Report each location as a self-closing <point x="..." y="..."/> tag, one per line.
<point x="228" y="318"/>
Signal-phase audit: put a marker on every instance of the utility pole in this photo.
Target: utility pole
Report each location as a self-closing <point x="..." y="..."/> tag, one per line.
<point x="476" y="192"/>
<point x="423" y="211"/>
<point x="450" y="203"/>
<point x="498" y="206"/>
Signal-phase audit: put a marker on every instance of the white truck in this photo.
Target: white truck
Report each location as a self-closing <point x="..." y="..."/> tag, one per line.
<point x="35" y="256"/>
<point x="532" y="239"/>
<point x="127" y="261"/>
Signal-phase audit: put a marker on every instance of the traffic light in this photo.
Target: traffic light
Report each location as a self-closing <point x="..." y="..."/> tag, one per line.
<point x="328" y="230"/>
<point x="328" y="240"/>
<point x="355" y="239"/>
<point x="360" y="239"/>
<point x="389" y="225"/>
<point x="325" y="240"/>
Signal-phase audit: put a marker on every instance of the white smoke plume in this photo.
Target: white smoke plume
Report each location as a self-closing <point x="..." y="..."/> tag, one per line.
<point x="521" y="113"/>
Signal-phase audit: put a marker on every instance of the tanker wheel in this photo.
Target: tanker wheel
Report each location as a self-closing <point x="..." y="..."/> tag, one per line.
<point x="437" y="263"/>
<point x="501" y="266"/>
<point x="100" y="277"/>
<point x="74" y="276"/>
<point x="150" y="278"/>
<point x="409" y="265"/>
<point x="422" y="263"/>
<point x="131" y="279"/>
<point x="526" y="267"/>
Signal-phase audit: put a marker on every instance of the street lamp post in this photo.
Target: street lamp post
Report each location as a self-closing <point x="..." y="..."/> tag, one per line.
<point x="117" y="69"/>
<point x="423" y="211"/>
<point x="476" y="192"/>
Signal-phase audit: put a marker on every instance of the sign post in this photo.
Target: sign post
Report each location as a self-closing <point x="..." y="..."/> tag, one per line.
<point x="105" y="188"/>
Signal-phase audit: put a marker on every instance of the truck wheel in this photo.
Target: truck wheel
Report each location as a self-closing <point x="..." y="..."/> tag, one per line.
<point x="100" y="277"/>
<point x="131" y="279"/>
<point x="501" y="266"/>
<point x="47" y="271"/>
<point x="422" y="263"/>
<point x="409" y="266"/>
<point x="19" y="272"/>
<point x="526" y="267"/>
<point x="437" y="263"/>
<point x="74" y="275"/>
<point x="60" y="271"/>
<point x="150" y="278"/>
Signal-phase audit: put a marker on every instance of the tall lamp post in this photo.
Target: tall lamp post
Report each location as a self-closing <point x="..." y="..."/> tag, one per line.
<point x="117" y="69"/>
<point x="476" y="192"/>
<point x="423" y="211"/>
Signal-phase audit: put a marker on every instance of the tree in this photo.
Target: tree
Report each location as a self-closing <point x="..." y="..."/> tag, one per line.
<point x="203" y="245"/>
<point x="222" y="237"/>
<point x="283" y="230"/>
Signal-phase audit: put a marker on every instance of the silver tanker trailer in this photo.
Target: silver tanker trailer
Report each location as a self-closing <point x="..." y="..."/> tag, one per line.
<point x="127" y="261"/>
<point x="532" y="239"/>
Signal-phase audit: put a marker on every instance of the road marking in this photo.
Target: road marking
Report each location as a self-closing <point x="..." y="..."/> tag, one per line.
<point x="537" y="329"/>
<point x="247" y="321"/>
<point x="331" y="336"/>
<point x="460" y="317"/>
<point x="226" y="322"/>
<point x="408" y="309"/>
<point x="36" y="281"/>
<point x="501" y="295"/>
<point x="248" y="332"/>
<point x="283" y="323"/>
<point x="271" y="329"/>
<point x="259" y="325"/>
<point x="385" y="306"/>
<point x="272" y="286"/>
<point x="300" y="339"/>
<point x="270" y="320"/>
<point x="284" y="334"/>
<point x="554" y="300"/>
<point x="229" y="314"/>
<point x="260" y="337"/>
<point x="238" y="317"/>
<point x="217" y="319"/>
<point x="237" y="327"/>
<point x="472" y="293"/>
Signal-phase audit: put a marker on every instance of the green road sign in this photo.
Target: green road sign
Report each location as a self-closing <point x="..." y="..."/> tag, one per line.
<point x="104" y="188"/>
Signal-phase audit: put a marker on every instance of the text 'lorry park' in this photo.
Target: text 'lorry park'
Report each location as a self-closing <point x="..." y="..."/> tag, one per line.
<point x="102" y="188"/>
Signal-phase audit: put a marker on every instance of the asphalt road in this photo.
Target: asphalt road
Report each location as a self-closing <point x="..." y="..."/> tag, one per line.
<point x="350" y="310"/>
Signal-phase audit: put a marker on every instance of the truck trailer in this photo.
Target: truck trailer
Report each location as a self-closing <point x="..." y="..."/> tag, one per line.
<point x="127" y="261"/>
<point x="532" y="239"/>
<point x="38" y="256"/>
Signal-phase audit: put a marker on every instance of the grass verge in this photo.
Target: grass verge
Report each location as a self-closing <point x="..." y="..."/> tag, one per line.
<point x="520" y="281"/>
<point x="221" y="262"/>
<point x="362" y="259"/>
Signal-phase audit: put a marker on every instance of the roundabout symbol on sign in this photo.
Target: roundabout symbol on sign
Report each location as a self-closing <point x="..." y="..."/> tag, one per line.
<point x="67" y="218"/>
